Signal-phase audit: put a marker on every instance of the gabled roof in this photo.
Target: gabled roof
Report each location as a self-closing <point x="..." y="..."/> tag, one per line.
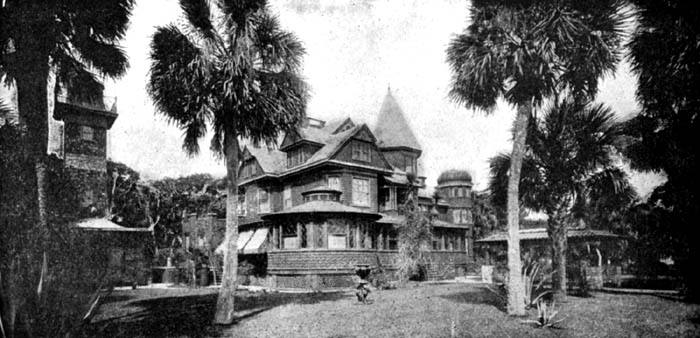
<point x="332" y="137"/>
<point x="392" y="129"/>
<point x="271" y="160"/>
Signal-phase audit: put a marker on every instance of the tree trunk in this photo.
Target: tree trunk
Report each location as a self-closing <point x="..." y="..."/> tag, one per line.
<point x="33" y="106"/>
<point x="225" y="302"/>
<point x="557" y="232"/>
<point x="516" y="288"/>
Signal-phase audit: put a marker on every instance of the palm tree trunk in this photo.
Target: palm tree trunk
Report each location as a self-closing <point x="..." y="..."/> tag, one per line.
<point x="33" y="105"/>
<point x="516" y="288"/>
<point x="225" y="303"/>
<point x="557" y="232"/>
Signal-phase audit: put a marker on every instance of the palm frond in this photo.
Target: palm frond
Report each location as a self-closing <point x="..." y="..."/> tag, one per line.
<point x="198" y="14"/>
<point x="531" y="183"/>
<point x="179" y="84"/>
<point x="107" y="58"/>
<point x="529" y="50"/>
<point x="277" y="49"/>
<point x="77" y="81"/>
<point x="101" y="20"/>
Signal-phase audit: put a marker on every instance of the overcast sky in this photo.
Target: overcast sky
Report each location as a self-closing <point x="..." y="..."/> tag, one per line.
<point x="355" y="50"/>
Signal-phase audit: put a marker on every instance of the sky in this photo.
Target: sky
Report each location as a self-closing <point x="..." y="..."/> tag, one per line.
<point x="355" y="50"/>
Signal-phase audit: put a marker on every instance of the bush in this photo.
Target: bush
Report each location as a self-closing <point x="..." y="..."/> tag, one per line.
<point x="51" y="276"/>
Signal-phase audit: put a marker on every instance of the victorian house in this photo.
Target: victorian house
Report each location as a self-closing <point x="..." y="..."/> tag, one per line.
<point x="330" y="197"/>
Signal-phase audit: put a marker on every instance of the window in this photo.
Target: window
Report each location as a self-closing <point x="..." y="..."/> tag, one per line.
<point x="461" y="216"/>
<point x="337" y="241"/>
<point x="351" y="237"/>
<point x="263" y="201"/>
<point x="333" y="182"/>
<point x="296" y="157"/>
<point x="409" y="164"/>
<point x="360" y="192"/>
<point x="241" y="204"/>
<point x="361" y="151"/>
<point x="289" y="236"/>
<point x="287" y="196"/>
<point x="393" y="242"/>
<point x="390" y="198"/>
<point x="87" y="133"/>
<point x="249" y="169"/>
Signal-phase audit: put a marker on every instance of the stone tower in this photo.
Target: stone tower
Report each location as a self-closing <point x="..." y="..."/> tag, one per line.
<point x="85" y="149"/>
<point x="455" y="187"/>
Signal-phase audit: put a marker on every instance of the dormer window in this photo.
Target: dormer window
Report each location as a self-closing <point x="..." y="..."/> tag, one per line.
<point x="361" y="151"/>
<point x="296" y="157"/>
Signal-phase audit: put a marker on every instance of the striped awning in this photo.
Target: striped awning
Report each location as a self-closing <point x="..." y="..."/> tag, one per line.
<point x="255" y="245"/>
<point x="249" y="242"/>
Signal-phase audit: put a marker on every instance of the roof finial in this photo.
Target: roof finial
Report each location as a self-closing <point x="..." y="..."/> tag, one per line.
<point x="389" y="88"/>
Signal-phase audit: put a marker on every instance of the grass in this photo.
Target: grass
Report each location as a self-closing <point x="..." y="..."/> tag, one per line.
<point x="423" y="311"/>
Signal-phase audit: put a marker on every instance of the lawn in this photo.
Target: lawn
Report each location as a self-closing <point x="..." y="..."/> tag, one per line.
<point x="467" y="310"/>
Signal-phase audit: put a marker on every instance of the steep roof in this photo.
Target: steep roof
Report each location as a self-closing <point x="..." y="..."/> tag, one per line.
<point x="271" y="160"/>
<point x="331" y="136"/>
<point x="392" y="129"/>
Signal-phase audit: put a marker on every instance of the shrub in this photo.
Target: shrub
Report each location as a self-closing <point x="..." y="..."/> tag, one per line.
<point x="545" y="315"/>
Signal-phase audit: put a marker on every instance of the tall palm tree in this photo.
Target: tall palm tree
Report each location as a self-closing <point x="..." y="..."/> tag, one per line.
<point x="569" y="165"/>
<point x="229" y="67"/>
<point x="70" y="42"/>
<point x="524" y="52"/>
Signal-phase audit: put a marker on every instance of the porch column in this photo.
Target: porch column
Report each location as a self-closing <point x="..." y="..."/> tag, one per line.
<point x="324" y="235"/>
<point x="299" y="225"/>
<point x="311" y="234"/>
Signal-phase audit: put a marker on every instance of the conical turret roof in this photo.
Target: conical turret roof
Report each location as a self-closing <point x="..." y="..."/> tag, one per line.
<point x="392" y="129"/>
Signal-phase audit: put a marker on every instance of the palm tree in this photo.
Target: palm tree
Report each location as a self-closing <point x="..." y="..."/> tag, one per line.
<point x="72" y="42"/>
<point x="569" y="165"/>
<point x="232" y="69"/>
<point x="664" y="53"/>
<point x="524" y="52"/>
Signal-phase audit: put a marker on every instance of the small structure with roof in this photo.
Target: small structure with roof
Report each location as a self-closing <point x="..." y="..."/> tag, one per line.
<point x="584" y="244"/>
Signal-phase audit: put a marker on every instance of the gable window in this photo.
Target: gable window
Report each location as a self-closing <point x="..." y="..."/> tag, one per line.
<point x="287" y="196"/>
<point x="361" y="151"/>
<point x="249" y="169"/>
<point x="87" y="133"/>
<point x="263" y="201"/>
<point x="360" y="192"/>
<point x="296" y="157"/>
